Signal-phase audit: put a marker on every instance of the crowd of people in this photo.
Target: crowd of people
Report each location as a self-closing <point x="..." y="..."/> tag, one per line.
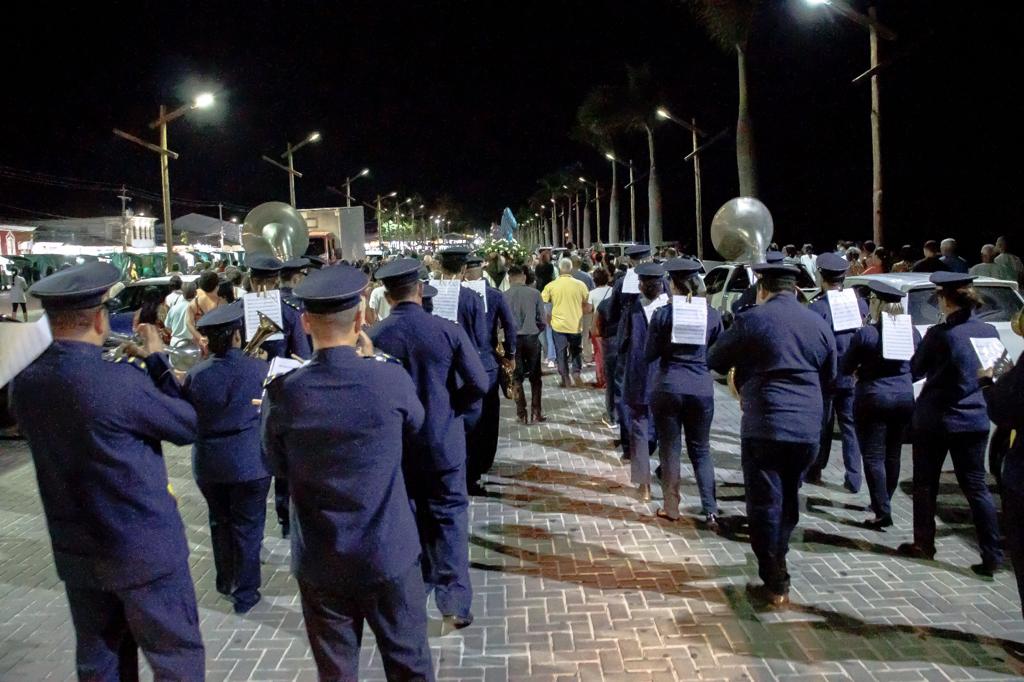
<point x="378" y="418"/>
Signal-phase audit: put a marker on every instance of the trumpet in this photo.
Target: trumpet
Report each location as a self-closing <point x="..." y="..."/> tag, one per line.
<point x="266" y="329"/>
<point x="181" y="358"/>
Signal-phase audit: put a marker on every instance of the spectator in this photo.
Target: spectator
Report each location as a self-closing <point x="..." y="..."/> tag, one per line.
<point x="175" y="293"/>
<point x="1013" y="269"/>
<point x="226" y="291"/>
<point x="875" y="262"/>
<point x="599" y="293"/>
<point x="988" y="267"/>
<point x="853" y="256"/>
<point x="176" y="319"/>
<point x="205" y="301"/>
<point x="528" y="313"/>
<point x="152" y="311"/>
<point x="810" y="261"/>
<point x="791" y="251"/>
<point x="954" y="262"/>
<point x="931" y="261"/>
<point x="378" y="307"/>
<point x="18" y="288"/>
<point x="568" y="299"/>
<point x="906" y="261"/>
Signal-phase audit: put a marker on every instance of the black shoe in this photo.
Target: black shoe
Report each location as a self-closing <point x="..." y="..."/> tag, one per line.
<point x="246" y="606"/>
<point x="762" y="595"/>
<point x="711" y="522"/>
<point x="813" y="477"/>
<point x="909" y="549"/>
<point x="985" y="569"/>
<point x="459" y="622"/>
<point x="285" y="532"/>
<point x="878" y="523"/>
<point x="474" y="489"/>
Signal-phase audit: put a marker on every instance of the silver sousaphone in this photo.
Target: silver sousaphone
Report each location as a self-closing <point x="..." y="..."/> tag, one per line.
<point x="276" y="229"/>
<point x="742" y="230"/>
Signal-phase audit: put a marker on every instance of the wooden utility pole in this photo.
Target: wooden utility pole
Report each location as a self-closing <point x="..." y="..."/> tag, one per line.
<point x="696" y="194"/>
<point x="876" y="139"/>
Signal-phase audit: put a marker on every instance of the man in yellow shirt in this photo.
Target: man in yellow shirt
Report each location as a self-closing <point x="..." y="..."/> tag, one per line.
<point x="568" y="298"/>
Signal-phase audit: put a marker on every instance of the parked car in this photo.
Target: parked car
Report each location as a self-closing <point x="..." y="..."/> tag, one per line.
<point x="130" y="299"/>
<point x="727" y="282"/>
<point x="616" y="249"/>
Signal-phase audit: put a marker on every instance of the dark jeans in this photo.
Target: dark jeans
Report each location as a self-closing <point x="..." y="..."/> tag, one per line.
<point x="528" y="352"/>
<point x="482" y="439"/>
<point x="967" y="450"/>
<point x="159" y="617"/>
<point x="282" y="503"/>
<point x="611" y="390"/>
<point x="568" y="349"/>
<point x="840" y="407"/>
<point x="881" y="421"/>
<point x="1013" y="514"/>
<point x="772" y="474"/>
<point x="673" y="413"/>
<point x="396" y="613"/>
<point x="238" y="513"/>
<point x="442" y="517"/>
<point x="14" y="308"/>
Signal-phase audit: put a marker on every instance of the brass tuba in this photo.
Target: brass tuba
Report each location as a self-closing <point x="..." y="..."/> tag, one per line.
<point x="276" y="229"/>
<point x="742" y="230"/>
<point x="267" y="328"/>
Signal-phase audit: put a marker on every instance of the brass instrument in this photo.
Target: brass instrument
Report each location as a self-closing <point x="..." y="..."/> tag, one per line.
<point x="1017" y="323"/>
<point x="741" y="231"/>
<point x="266" y="329"/>
<point x="276" y="229"/>
<point x="181" y="358"/>
<point x="511" y="387"/>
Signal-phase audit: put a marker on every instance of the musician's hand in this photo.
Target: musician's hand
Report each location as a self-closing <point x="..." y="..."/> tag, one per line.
<point x="364" y="346"/>
<point x="151" y="341"/>
<point x="986" y="373"/>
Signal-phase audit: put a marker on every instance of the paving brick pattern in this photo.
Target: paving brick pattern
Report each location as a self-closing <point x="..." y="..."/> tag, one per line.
<point x="577" y="580"/>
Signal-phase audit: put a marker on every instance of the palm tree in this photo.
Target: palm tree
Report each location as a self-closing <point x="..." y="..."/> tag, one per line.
<point x="594" y="127"/>
<point x="729" y="22"/>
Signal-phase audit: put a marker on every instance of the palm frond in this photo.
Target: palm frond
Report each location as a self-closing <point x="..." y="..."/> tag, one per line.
<point x="727" y="22"/>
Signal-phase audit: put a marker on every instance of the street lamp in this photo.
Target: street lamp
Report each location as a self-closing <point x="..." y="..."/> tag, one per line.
<point x="348" y="185"/>
<point x="632" y="191"/>
<point x="290" y="168"/>
<point x="202" y="101"/>
<point x="875" y="29"/>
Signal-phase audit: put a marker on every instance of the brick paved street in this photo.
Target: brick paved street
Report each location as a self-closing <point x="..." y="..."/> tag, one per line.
<point x="576" y="580"/>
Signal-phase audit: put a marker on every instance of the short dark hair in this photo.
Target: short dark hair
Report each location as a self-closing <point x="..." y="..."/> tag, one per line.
<point x="774" y="285"/>
<point x="600" y="277"/>
<point x="516" y="271"/>
<point x="188" y="290"/>
<point x="686" y="283"/>
<point x="931" y="245"/>
<point x="403" y="292"/>
<point x="209" y="281"/>
<point x="175" y="282"/>
<point x="907" y="252"/>
<point x="220" y="341"/>
<point x="70" y="321"/>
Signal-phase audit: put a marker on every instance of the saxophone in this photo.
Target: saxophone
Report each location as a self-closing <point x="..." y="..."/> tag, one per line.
<point x="510" y="387"/>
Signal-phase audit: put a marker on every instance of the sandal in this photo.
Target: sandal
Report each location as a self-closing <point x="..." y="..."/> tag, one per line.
<point x="662" y="514"/>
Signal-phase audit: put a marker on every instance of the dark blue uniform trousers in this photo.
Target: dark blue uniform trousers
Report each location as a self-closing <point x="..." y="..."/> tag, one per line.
<point x="238" y="513"/>
<point x="967" y="450"/>
<point x="611" y="388"/>
<point x="442" y="518"/>
<point x="674" y="412"/>
<point x="482" y="437"/>
<point x="1013" y="514"/>
<point x="394" y="610"/>
<point x="643" y="441"/>
<point x="840" y="407"/>
<point x="159" y="617"/>
<point x="881" y="422"/>
<point x="282" y="503"/>
<point x="772" y="474"/>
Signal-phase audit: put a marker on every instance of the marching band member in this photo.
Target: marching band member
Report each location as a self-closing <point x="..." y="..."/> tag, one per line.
<point x="291" y="275"/>
<point x="638" y="375"/>
<point x="449" y="378"/>
<point x="950" y="418"/>
<point x="337" y="428"/>
<point x="227" y="461"/>
<point x="482" y="439"/>
<point x="838" y="399"/>
<point x="683" y="396"/>
<point x="785" y="354"/>
<point x="883" y="401"/>
<point x="118" y="541"/>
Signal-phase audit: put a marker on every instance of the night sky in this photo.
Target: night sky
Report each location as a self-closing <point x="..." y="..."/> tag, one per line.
<point x="476" y="101"/>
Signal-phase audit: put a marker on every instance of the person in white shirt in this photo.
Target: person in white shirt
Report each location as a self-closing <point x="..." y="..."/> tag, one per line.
<point x="177" y="317"/>
<point x="175" y="294"/>
<point x="18" y="289"/>
<point x="378" y="306"/>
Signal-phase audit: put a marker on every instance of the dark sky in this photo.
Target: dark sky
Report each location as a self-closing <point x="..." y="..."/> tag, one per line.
<point x="476" y="101"/>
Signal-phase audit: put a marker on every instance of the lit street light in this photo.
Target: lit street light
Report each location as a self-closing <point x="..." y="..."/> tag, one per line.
<point x="202" y="101"/>
<point x="290" y="168"/>
<point x="632" y="192"/>
<point x="597" y="201"/>
<point x="348" y="185"/>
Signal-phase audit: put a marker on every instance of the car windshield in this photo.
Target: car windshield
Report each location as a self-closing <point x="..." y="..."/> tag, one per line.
<point x="131" y="297"/>
<point x="998" y="304"/>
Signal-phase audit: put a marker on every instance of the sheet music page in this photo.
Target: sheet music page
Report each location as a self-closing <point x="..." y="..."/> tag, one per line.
<point x="446" y="303"/>
<point x="845" y="311"/>
<point x="897" y="337"/>
<point x="20" y="344"/>
<point x="654" y="305"/>
<point x="268" y="303"/>
<point x="480" y="287"/>
<point x="988" y="351"/>
<point x="631" y="284"/>
<point x="279" y="366"/>
<point x="689" y="321"/>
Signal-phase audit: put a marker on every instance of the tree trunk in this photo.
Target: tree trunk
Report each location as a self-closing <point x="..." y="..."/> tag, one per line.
<point x="746" y="159"/>
<point x="613" y="209"/>
<point x="654" y="233"/>
<point x="586" y="221"/>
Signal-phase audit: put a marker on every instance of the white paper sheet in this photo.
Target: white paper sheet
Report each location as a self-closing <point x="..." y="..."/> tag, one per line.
<point x="446" y="303"/>
<point x="268" y="303"/>
<point x="631" y="283"/>
<point x="654" y="305"/>
<point x="20" y="344"/>
<point x="988" y="351"/>
<point x="480" y="287"/>
<point x="279" y="366"/>
<point x="845" y="311"/>
<point x="689" y="321"/>
<point x="897" y="337"/>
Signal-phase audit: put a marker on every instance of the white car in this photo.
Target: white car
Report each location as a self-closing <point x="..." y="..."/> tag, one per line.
<point x="1000" y="301"/>
<point x="726" y="282"/>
